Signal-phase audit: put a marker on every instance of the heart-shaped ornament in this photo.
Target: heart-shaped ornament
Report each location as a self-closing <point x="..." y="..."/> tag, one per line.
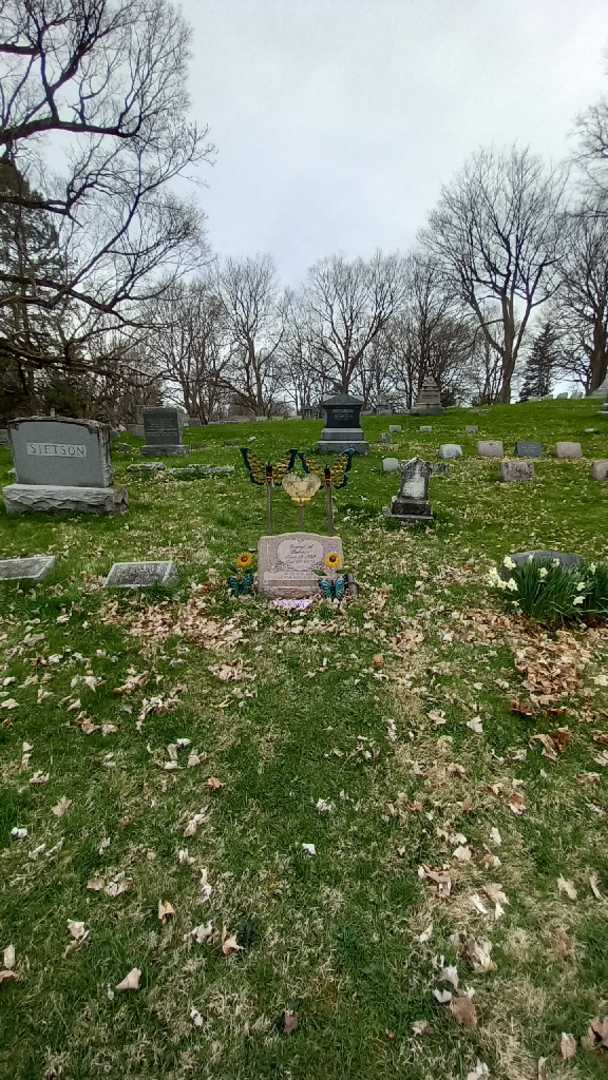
<point x="301" y="488"/>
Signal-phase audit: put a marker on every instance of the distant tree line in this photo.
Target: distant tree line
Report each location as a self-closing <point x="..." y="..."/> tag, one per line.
<point x="110" y="297"/>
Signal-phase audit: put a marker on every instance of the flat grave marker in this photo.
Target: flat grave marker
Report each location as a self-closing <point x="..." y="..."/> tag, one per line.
<point x="32" y="568"/>
<point x="141" y="575"/>
<point x="290" y="564"/>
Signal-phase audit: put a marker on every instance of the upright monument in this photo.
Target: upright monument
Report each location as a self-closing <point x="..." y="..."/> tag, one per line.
<point x="62" y="465"/>
<point x="342" y="429"/>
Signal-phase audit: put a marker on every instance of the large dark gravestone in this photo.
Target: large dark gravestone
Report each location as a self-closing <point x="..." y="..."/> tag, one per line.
<point x="342" y="429"/>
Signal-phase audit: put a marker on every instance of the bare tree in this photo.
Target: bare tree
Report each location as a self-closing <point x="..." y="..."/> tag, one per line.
<point x="254" y="319"/>
<point x="187" y="345"/>
<point x="496" y="236"/>
<point x="349" y="303"/>
<point x="592" y="156"/>
<point x="580" y="308"/>
<point x="100" y="84"/>
<point x="303" y="376"/>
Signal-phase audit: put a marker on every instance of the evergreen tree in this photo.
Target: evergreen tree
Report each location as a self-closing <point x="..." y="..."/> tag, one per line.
<point x="30" y="313"/>
<point x="541" y="364"/>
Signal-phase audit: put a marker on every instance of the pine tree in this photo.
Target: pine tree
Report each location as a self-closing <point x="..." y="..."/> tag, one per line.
<point x="29" y="324"/>
<point x="541" y="364"/>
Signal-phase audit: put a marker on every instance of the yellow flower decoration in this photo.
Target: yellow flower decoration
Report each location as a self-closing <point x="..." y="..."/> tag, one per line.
<point x="244" y="561"/>
<point x="333" y="561"/>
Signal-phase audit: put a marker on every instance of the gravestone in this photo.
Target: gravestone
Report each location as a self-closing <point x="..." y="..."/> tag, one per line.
<point x="390" y="464"/>
<point x="425" y="429"/>
<point x="198" y="472"/>
<point x="449" y="451"/>
<point x="384" y="407"/>
<point x="62" y="465"/>
<point x="428" y="399"/>
<point x="566" y="560"/>
<point x="599" y="470"/>
<point x="163" y="433"/>
<point x="146" y="468"/>
<point x="442" y="469"/>
<point x="290" y="564"/>
<point x="490" y="448"/>
<point x="394" y="428"/>
<point x="342" y="429"/>
<point x="601" y="391"/>
<point x="526" y="448"/>
<point x="35" y="568"/>
<point x="141" y="575"/>
<point x="471" y="429"/>
<point x="516" y="472"/>
<point x="568" y="450"/>
<point x="411" y="503"/>
<point x="386" y="438"/>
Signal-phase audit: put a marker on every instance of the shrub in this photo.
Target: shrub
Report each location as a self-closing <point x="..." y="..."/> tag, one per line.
<point x="553" y="594"/>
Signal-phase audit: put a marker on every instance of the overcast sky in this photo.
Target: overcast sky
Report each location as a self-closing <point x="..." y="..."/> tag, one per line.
<point x="337" y="121"/>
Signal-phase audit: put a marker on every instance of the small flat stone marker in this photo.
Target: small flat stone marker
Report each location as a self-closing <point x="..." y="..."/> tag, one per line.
<point x="141" y="575"/>
<point x="526" y="448"/>
<point x="449" y="451"/>
<point x="471" y="429"/>
<point x="34" y="568"/>
<point x="394" y="428"/>
<point x="490" y="448"/>
<point x="568" y="450"/>
<point x="385" y="438"/>
<point x="599" y="470"/>
<point x="516" y="472"/>
<point x="390" y="464"/>
<point x="425" y="429"/>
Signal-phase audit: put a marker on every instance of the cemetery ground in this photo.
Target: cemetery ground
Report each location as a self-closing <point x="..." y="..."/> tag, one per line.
<point x="380" y="804"/>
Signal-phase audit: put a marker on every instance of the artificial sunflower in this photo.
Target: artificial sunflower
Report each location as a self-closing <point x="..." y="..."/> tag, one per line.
<point x="244" y="561"/>
<point x="332" y="561"/>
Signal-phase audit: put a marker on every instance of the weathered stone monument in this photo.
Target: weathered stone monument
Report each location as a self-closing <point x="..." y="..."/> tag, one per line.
<point x="599" y="470"/>
<point x="450" y="451"/>
<point x="142" y="575"/>
<point x="62" y="465"/>
<point x="411" y="503"/>
<point x="516" y="472"/>
<point x="33" y="568"/>
<point x="528" y="449"/>
<point x="390" y="464"/>
<point x="428" y="399"/>
<point x="490" y="448"/>
<point x="568" y="450"/>
<point x="163" y="432"/>
<point x="342" y="429"/>
<point x="290" y="564"/>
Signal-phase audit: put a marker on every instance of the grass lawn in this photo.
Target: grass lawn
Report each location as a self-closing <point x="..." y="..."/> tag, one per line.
<point x="397" y="734"/>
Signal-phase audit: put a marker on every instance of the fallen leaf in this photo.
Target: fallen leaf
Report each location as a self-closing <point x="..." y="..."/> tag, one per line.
<point x="61" y="808"/>
<point x="201" y="934"/>
<point x="8" y="976"/>
<point x="475" y="725"/>
<point x="130" y="981"/>
<point x="230" y="944"/>
<point x="462" y="853"/>
<point x="516" y="803"/>
<point x="463" y="1011"/>
<point x="594" y="885"/>
<point x="566" y="887"/>
<point x="8" y="957"/>
<point x="478" y="952"/>
<point x="192" y="826"/>
<point x="214" y="784"/>
<point x="480" y="1070"/>
<point x="567" y="1046"/>
<point x="442" y="996"/>
<point x="196" y="1018"/>
<point x="449" y="974"/>
<point x="421" y="1027"/>
<point x="426" y="935"/>
<point x="290" y="1022"/>
<point x="310" y="849"/>
<point x="166" y="911"/>
<point x="597" y="1034"/>
<point x="77" y="930"/>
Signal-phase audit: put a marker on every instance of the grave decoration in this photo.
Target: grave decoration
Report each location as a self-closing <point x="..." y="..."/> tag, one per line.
<point x="267" y="475"/>
<point x="333" y="477"/>
<point x="333" y="584"/>
<point x="62" y="465"/>
<point x="411" y="504"/>
<point x="241" y="583"/>
<point x="290" y="564"/>
<point x="301" y="491"/>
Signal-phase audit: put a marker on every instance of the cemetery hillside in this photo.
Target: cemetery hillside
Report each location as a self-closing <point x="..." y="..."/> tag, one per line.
<point x="303" y="540"/>
<point x="248" y="834"/>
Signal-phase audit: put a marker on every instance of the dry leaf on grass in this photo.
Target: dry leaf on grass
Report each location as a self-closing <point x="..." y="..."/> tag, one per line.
<point x="566" y="888"/>
<point x="478" y="952"/>
<point x="166" y="911"/>
<point x="8" y="976"/>
<point x="230" y="946"/>
<point x="567" y="1046"/>
<point x="480" y="1070"/>
<point x="61" y="808"/>
<point x="290" y="1022"/>
<point x="440" y="878"/>
<point x="421" y="1027"/>
<point x="597" y="1034"/>
<point x="214" y="784"/>
<point x="196" y="1018"/>
<point x="77" y="930"/>
<point x="192" y="825"/>
<point x="130" y="981"/>
<point x="200" y="934"/>
<point x="594" y="886"/>
<point x="8" y="957"/>
<point x="464" y="1011"/>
